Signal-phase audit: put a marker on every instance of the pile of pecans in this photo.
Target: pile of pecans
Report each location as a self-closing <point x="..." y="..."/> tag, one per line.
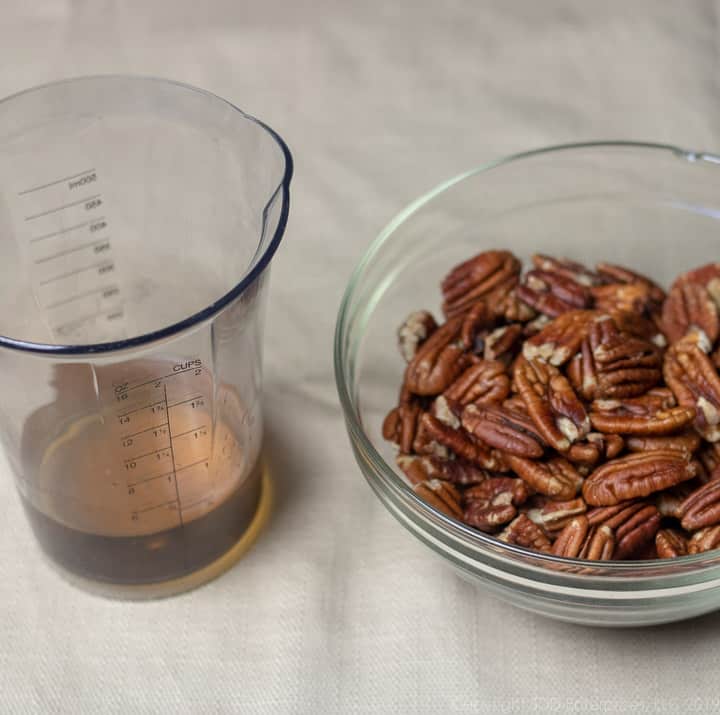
<point x="567" y="410"/>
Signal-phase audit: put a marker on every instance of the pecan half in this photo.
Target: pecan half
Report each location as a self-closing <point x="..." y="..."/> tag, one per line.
<point x="634" y="526"/>
<point x="556" y="477"/>
<point x="552" y="294"/>
<point x="704" y="540"/>
<point x="503" y="343"/>
<point x="670" y="543"/>
<point x="463" y="444"/>
<point x="401" y="423"/>
<point x="485" y="383"/>
<point x="416" y="329"/>
<point x="687" y="442"/>
<point x="587" y="454"/>
<point x="578" y="540"/>
<point x="689" y="305"/>
<point x="554" y="515"/>
<point x="695" y="383"/>
<point x="553" y="406"/>
<point x="616" y="364"/>
<point x="488" y="275"/>
<point x="620" y="274"/>
<point x="702" y="507"/>
<point x="559" y="340"/>
<point x="644" y="416"/>
<point x="420" y="468"/>
<point x="567" y="268"/>
<point x="523" y="532"/>
<point x="633" y="297"/>
<point x="707" y="276"/>
<point x="509" y="430"/>
<point x="493" y="503"/>
<point x="636" y="475"/>
<point x="441" y="495"/>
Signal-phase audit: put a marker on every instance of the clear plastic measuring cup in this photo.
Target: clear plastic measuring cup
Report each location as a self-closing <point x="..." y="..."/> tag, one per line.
<point x="138" y="218"/>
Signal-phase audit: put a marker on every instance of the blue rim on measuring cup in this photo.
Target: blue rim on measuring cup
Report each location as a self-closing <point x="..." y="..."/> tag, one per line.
<point x="257" y="266"/>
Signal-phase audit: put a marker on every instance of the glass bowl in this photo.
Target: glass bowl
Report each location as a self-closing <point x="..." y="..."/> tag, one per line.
<point x="651" y="207"/>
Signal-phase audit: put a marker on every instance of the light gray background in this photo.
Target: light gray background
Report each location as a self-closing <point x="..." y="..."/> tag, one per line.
<point x="337" y="609"/>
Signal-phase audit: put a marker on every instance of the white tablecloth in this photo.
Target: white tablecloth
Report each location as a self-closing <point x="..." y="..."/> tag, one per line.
<point x="337" y="608"/>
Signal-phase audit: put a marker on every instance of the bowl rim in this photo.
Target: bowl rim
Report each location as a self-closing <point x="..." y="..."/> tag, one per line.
<point x="387" y="474"/>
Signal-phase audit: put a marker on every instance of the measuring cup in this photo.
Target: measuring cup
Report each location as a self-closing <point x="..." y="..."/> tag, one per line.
<point x="138" y="218"/>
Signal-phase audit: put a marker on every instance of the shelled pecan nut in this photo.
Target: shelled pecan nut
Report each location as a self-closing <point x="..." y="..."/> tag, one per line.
<point x="695" y="383"/>
<point x="567" y="268"/>
<point x="438" y="361"/>
<point x="552" y="294"/>
<point x="493" y="503"/>
<point x="484" y="383"/>
<point x="463" y="444"/>
<point x="689" y="305"/>
<point x="636" y="475"/>
<point x="638" y="416"/>
<point x="615" y="364"/>
<point x="416" y="329"/>
<point x="552" y="404"/>
<point x="486" y="275"/>
<point x="523" y="532"/>
<point x="560" y="339"/>
<point x="553" y="515"/>
<point x="508" y="430"/>
<point x="401" y="423"/>
<point x="556" y="477"/>
<point x="441" y="495"/>
<point x="707" y="276"/>
<point x="580" y="540"/>
<point x="421" y="468"/>
<point x="701" y="507"/>
<point x="704" y="540"/>
<point x="619" y="274"/>
<point x="670" y="543"/>
<point x="687" y="441"/>
<point x="634" y="525"/>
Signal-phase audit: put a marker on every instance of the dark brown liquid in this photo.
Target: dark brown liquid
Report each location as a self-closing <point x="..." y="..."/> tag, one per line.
<point x="150" y="558"/>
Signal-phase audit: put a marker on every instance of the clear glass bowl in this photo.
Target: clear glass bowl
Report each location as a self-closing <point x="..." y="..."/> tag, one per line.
<point x="650" y="207"/>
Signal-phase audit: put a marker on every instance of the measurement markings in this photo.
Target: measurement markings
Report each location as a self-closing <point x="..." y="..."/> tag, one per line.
<point x="189" y="399"/>
<point x="139" y="409"/>
<point x="147" y="454"/>
<point x="194" y="464"/>
<point x="102" y="289"/>
<point x="102" y="263"/>
<point x="63" y="207"/>
<point x="142" y="431"/>
<point x="85" y="318"/>
<point x="172" y="456"/>
<point x="53" y="183"/>
<point x="148" y="479"/>
<point x="158" y="506"/>
<point x="72" y="250"/>
<point x="164" y="377"/>
<point x="68" y="229"/>
<point x="190" y="431"/>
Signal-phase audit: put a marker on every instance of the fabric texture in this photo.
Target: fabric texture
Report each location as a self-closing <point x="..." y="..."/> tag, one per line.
<point x="337" y="608"/>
